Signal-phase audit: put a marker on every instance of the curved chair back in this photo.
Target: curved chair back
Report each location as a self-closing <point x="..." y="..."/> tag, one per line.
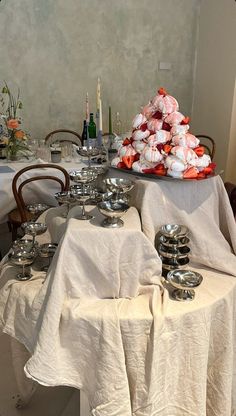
<point x="209" y="145"/>
<point x="55" y="136"/>
<point x="17" y="189"/>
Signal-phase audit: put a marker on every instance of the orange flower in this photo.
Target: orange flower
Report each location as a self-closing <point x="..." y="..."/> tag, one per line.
<point x="12" y="123"/>
<point x="19" y="134"/>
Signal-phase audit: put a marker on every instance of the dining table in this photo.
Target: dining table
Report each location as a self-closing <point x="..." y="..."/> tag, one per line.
<point x="103" y="320"/>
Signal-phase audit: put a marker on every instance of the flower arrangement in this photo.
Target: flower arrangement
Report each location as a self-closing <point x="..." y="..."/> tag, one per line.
<point x="13" y="136"/>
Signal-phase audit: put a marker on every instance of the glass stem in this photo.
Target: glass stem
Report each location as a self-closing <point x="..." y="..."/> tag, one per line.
<point x="23" y="270"/>
<point x="83" y="209"/>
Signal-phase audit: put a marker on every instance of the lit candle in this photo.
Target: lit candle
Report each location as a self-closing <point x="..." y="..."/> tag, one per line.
<point x="87" y="108"/>
<point x="100" y="114"/>
<point x="98" y="94"/>
<point x="110" y="122"/>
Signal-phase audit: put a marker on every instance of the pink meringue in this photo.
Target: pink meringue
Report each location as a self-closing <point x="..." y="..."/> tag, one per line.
<point x="179" y="129"/>
<point x="140" y="166"/>
<point x="154" y="124"/>
<point x="115" y="161"/>
<point x="174" y="118"/>
<point x="139" y="145"/>
<point x="162" y="136"/>
<point x="185" y="140"/>
<point x="140" y="135"/>
<point x="202" y="162"/>
<point x="175" y="174"/>
<point x="166" y="104"/>
<point x="127" y="151"/>
<point x="139" y="119"/>
<point x="152" y="154"/>
<point x="148" y="110"/>
<point x="184" y="153"/>
<point x="175" y="164"/>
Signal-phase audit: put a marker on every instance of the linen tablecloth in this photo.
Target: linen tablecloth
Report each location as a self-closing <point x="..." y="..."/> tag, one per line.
<point x="134" y="356"/>
<point x="203" y="206"/>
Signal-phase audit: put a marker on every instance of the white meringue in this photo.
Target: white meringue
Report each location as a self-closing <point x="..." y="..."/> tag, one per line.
<point x="179" y="129"/>
<point x="174" y="118"/>
<point x="115" y="161"/>
<point x="184" y="153"/>
<point x="139" y="119"/>
<point x="185" y="140"/>
<point x="140" y="135"/>
<point x="152" y="154"/>
<point x="127" y="151"/>
<point x="139" y="145"/>
<point x="154" y="124"/>
<point x="175" y="174"/>
<point x="162" y="136"/>
<point x="175" y="164"/>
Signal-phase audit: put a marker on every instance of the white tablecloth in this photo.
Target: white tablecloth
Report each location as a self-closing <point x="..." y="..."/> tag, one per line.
<point x="203" y="206"/>
<point x="40" y="191"/>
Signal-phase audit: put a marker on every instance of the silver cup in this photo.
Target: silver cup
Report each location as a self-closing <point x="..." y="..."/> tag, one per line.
<point x="184" y="281"/>
<point x="113" y="211"/>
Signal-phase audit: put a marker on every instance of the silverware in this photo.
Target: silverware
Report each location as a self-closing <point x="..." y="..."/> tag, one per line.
<point x="174" y="231"/>
<point x="47" y="251"/>
<point x="184" y="281"/>
<point x="118" y="185"/>
<point x="113" y="211"/>
<point x="34" y="228"/>
<point x="22" y="258"/>
<point x="66" y="198"/>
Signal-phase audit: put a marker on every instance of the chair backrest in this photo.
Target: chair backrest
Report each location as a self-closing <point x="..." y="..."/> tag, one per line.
<point x="56" y="136"/>
<point x="208" y="143"/>
<point x="17" y="189"/>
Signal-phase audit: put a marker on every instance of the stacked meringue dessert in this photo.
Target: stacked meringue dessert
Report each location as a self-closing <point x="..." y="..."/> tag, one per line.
<point x="161" y="143"/>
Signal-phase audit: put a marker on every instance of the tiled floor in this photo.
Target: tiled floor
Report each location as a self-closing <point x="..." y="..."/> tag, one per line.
<point x="46" y="401"/>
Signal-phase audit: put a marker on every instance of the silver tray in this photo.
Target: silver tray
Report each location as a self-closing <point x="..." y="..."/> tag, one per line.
<point x="163" y="178"/>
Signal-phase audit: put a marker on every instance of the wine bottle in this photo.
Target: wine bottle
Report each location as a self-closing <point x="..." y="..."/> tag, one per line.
<point x="84" y="136"/>
<point x="92" y="127"/>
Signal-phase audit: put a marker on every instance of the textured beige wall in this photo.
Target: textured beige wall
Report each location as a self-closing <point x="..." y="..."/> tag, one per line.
<point x="55" y="50"/>
<point x="230" y="173"/>
<point x="215" y="74"/>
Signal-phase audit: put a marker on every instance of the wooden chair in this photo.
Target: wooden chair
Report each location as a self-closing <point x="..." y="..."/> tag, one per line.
<point x="231" y="191"/>
<point x="56" y="136"/>
<point x="209" y="145"/>
<point x="21" y="214"/>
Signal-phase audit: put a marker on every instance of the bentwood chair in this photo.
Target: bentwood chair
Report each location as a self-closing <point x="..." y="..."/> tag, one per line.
<point x="21" y="214"/>
<point x="208" y="143"/>
<point x="58" y="136"/>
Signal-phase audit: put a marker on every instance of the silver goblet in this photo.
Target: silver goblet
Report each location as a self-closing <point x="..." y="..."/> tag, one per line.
<point x="47" y="251"/>
<point x="66" y="198"/>
<point x="34" y="228"/>
<point x="22" y="258"/>
<point x="113" y="211"/>
<point x="83" y="196"/>
<point x="118" y="186"/>
<point x="174" y="231"/>
<point x="88" y="151"/>
<point x="36" y="210"/>
<point x="184" y="281"/>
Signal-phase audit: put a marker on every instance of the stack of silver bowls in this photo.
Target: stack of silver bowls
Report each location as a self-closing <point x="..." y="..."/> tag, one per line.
<point x="173" y="247"/>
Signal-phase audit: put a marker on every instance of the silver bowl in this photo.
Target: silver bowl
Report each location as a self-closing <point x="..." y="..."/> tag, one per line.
<point x="66" y="198"/>
<point x="174" y="253"/>
<point x="113" y="211"/>
<point x="21" y="257"/>
<point x="24" y="244"/>
<point x="34" y="228"/>
<point x="83" y="176"/>
<point x="88" y="151"/>
<point x="47" y="250"/>
<point x="174" y="231"/>
<point x="99" y="170"/>
<point x="184" y="281"/>
<point x="37" y="208"/>
<point x="174" y="243"/>
<point x="118" y="185"/>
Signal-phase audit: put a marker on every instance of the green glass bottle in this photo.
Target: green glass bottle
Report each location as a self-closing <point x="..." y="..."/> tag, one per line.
<point x="92" y="127"/>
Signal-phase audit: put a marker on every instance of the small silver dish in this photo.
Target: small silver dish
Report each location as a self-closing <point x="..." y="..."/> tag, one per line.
<point x="34" y="228"/>
<point x="37" y="209"/>
<point x="66" y="198"/>
<point x="83" y="176"/>
<point x="47" y="251"/>
<point x="173" y="243"/>
<point x="174" y="231"/>
<point x="22" y="258"/>
<point x="184" y="281"/>
<point x="174" y="253"/>
<point x="113" y="211"/>
<point x="24" y="244"/>
<point x="118" y="185"/>
<point x="89" y="152"/>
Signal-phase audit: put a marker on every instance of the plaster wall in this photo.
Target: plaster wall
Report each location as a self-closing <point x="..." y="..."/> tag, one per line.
<point x="231" y="161"/>
<point x="54" y="50"/>
<point x="215" y="75"/>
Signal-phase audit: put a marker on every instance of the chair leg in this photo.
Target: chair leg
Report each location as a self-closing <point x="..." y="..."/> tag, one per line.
<point x="9" y="226"/>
